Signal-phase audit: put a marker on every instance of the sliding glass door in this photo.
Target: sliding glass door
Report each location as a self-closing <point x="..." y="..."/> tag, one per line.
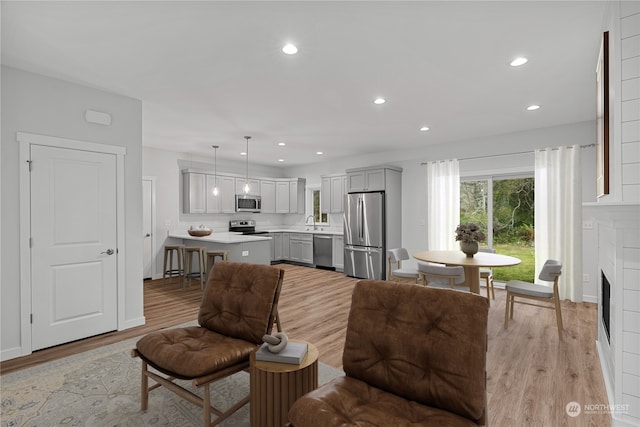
<point x="504" y="209"/>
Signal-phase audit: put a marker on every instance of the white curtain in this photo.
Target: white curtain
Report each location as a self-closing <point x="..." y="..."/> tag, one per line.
<point x="558" y="216"/>
<point x="443" y="204"/>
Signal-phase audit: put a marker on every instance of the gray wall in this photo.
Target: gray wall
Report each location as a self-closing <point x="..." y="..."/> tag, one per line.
<point x="41" y="105"/>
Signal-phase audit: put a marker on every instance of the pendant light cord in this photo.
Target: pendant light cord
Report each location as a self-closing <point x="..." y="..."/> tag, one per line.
<point x="247" y="154"/>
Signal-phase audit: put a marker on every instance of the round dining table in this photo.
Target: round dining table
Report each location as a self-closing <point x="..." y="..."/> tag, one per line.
<point x="471" y="265"/>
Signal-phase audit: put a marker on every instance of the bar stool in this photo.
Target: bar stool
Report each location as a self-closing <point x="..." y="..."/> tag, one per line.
<point x="168" y="253"/>
<point x="211" y="258"/>
<point x="201" y="252"/>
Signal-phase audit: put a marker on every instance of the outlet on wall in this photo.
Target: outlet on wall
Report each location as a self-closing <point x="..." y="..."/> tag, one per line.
<point x="245" y="253"/>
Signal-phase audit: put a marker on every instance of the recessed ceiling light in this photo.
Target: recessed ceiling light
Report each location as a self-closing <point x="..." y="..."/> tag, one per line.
<point x="243" y="153"/>
<point x="424" y="128"/>
<point x="519" y="61"/>
<point x="533" y="107"/>
<point x="281" y="160"/>
<point x="290" y="49"/>
<point x="319" y="152"/>
<point x="379" y="101"/>
<point x="281" y="144"/>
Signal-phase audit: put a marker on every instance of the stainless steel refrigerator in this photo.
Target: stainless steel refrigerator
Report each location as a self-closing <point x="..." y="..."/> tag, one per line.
<point x="364" y="235"/>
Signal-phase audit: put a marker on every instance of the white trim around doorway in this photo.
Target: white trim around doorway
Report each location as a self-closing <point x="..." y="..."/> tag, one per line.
<point x="26" y="140"/>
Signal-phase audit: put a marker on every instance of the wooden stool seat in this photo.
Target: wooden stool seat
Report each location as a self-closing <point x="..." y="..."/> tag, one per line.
<point x="202" y="254"/>
<point x="168" y="254"/>
<point x="211" y="258"/>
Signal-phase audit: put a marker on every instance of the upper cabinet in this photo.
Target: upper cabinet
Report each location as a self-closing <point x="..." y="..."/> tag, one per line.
<point x="332" y="191"/>
<point x="296" y="195"/>
<point x="198" y="197"/>
<point x="279" y="195"/>
<point x="282" y="197"/>
<point x="193" y="197"/>
<point x="268" y="194"/>
<point x="370" y="179"/>
<point x="254" y="186"/>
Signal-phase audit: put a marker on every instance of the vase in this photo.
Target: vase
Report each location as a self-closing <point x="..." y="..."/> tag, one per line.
<point x="470" y="248"/>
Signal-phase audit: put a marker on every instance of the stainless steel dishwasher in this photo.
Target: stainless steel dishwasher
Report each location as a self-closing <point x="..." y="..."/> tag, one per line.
<point x="323" y="251"/>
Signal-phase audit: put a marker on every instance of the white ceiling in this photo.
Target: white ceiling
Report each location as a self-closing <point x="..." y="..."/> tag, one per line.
<point x="211" y="72"/>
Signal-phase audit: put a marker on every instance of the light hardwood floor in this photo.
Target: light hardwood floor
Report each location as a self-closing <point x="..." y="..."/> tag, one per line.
<point x="531" y="376"/>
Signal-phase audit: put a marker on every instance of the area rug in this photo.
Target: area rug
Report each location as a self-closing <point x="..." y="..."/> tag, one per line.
<point x="101" y="387"/>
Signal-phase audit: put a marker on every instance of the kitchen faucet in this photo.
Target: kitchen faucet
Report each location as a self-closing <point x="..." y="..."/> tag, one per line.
<point x="314" y="221"/>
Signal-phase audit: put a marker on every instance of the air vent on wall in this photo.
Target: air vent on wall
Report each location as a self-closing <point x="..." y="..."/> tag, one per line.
<point x="98" y="117"/>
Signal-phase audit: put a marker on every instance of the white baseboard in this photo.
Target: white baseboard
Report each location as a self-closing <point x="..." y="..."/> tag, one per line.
<point x="132" y="323"/>
<point x="590" y="298"/>
<point x="11" y="353"/>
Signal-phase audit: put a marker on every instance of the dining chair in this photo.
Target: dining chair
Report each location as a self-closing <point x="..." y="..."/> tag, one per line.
<point x="440" y="276"/>
<point x="550" y="272"/>
<point x="487" y="275"/>
<point x="239" y="306"/>
<point x="395" y="271"/>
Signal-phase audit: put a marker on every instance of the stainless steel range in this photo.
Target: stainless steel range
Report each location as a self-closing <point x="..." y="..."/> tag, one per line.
<point x="244" y="226"/>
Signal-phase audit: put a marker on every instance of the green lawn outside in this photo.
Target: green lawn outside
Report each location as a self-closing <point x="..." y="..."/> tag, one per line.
<point x="524" y="271"/>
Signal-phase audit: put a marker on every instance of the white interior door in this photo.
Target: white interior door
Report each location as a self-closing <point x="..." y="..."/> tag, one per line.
<point x="147" y="228"/>
<point x="73" y="246"/>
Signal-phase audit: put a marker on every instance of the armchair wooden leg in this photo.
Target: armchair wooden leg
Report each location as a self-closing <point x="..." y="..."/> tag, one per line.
<point x="206" y="406"/>
<point x="144" y="387"/>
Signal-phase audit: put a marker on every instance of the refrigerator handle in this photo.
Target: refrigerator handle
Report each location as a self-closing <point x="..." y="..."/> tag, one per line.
<point x="358" y="216"/>
<point x="361" y="218"/>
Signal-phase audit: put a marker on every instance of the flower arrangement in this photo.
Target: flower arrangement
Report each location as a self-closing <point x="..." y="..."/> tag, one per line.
<point x="469" y="233"/>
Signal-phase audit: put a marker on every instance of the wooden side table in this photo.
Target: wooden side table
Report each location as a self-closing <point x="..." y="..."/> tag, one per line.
<point x="275" y="386"/>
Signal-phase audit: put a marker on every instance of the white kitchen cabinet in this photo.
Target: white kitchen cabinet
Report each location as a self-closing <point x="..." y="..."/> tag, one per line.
<point x="224" y="202"/>
<point x="283" y="196"/>
<point x="338" y="190"/>
<point x="296" y="195"/>
<point x="254" y="186"/>
<point x="332" y="191"/>
<point x="301" y="247"/>
<point x="276" y="246"/>
<point x="325" y="194"/>
<point x="268" y="194"/>
<point x="279" y="195"/>
<point x="338" y="252"/>
<point x="286" y="252"/>
<point x="213" y="201"/>
<point x="380" y="178"/>
<point x="227" y="194"/>
<point x="366" y="180"/>
<point x="193" y="196"/>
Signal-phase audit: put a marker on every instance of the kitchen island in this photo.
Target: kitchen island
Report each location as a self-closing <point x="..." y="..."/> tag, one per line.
<point x="254" y="249"/>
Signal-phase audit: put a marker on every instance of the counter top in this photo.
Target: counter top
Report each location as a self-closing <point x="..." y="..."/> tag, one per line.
<point x="309" y="231"/>
<point x="221" y="237"/>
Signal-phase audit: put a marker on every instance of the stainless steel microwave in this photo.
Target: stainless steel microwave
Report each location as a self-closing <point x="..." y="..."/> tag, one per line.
<point x="248" y="203"/>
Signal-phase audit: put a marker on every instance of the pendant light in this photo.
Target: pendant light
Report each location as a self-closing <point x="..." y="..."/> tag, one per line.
<point x="246" y="184"/>
<point x="214" y="190"/>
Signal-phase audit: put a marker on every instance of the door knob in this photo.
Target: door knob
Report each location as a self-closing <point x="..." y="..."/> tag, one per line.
<point x="108" y="252"/>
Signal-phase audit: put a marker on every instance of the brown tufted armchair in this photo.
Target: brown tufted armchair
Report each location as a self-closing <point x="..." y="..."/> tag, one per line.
<point x="239" y="306"/>
<point x="412" y="356"/>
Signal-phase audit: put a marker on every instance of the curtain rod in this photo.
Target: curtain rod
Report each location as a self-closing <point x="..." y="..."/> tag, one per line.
<point x="508" y="154"/>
